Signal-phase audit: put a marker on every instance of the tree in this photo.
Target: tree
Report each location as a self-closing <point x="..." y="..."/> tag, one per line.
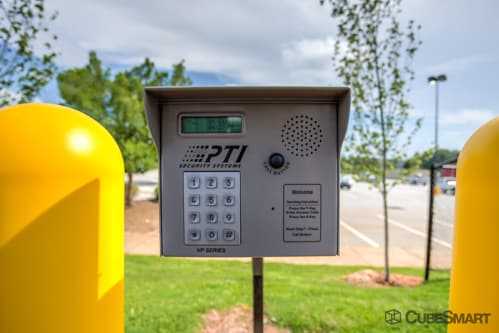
<point x="440" y="156"/>
<point x="117" y="103"/>
<point x="27" y="58"/>
<point x="426" y="158"/>
<point x="373" y="55"/>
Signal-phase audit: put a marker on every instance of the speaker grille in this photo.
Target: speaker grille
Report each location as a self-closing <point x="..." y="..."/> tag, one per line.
<point x="302" y="135"/>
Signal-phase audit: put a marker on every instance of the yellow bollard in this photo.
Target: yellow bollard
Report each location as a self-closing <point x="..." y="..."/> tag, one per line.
<point x="61" y="223"/>
<point x="475" y="269"/>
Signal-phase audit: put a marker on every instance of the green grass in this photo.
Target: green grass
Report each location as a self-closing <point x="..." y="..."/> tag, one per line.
<point x="171" y="295"/>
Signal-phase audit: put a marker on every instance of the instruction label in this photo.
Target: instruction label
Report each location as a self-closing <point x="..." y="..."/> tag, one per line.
<point x="302" y="213"/>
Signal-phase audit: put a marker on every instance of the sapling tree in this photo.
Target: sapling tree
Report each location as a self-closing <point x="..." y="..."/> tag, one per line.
<point x="373" y="54"/>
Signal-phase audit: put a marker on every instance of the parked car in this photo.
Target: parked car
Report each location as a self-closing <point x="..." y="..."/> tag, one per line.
<point x="346" y="182"/>
<point x="447" y="186"/>
<point x="417" y="179"/>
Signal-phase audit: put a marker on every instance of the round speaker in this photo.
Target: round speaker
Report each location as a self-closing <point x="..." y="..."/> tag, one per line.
<point x="302" y="135"/>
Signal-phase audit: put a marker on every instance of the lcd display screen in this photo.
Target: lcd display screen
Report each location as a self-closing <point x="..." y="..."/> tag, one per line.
<point x="211" y="124"/>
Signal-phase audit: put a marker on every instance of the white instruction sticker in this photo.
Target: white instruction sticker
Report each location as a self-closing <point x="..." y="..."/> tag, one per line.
<point x="302" y="213"/>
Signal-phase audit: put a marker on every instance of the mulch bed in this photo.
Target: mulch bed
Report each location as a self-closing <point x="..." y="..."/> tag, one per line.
<point x="238" y="319"/>
<point x="372" y="279"/>
<point x="142" y="217"/>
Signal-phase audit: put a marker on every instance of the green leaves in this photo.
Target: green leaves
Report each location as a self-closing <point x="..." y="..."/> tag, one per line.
<point x="26" y="63"/>
<point x="376" y="63"/>
<point x="373" y="55"/>
<point x="117" y="103"/>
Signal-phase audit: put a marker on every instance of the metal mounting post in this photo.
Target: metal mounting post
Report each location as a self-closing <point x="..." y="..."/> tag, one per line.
<point x="430" y="224"/>
<point x="257" y="294"/>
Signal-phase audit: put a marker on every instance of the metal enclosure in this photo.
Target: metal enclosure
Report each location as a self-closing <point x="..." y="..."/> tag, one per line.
<point x="248" y="171"/>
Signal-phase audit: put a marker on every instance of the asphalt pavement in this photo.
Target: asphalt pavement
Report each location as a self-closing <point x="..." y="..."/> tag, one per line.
<point x="361" y="220"/>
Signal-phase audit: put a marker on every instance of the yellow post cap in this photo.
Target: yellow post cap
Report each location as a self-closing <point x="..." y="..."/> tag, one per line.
<point x="475" y="269"/>
<point x="61" y="222"/>
<point x="53" y="138"/>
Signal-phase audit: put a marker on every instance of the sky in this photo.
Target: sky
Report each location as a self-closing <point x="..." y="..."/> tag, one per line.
<point x="290" y="42"/>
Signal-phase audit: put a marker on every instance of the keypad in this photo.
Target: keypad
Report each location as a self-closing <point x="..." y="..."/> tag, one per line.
<point x="212" y="208"/>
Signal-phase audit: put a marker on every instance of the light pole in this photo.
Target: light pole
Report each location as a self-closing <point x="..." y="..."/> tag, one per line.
<point x="434" y="81"/>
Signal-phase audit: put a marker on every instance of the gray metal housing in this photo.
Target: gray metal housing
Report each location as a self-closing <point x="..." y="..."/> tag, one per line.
<point x="306" y="125"/>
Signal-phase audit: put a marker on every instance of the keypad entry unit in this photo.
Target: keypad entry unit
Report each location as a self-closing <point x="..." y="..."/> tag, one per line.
<point x="212" y="208"/>
<point x="248" y="171"/>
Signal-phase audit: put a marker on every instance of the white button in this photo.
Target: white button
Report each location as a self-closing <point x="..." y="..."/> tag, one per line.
<point x="228" y="218"/>
<point x="194" y="234"/>
<point x="229" y="200"/>
<point x="211" y="182"/>
<point x="194" y="200"/>
<point x="229" y="234"/>
<point x="212" y="218"/>
<point x="211" y="235"/>
<point x="193" y="182"/>
<point x="194" y="217"/>
<point x="211" y="200"/>
<point x="229" y="182"/>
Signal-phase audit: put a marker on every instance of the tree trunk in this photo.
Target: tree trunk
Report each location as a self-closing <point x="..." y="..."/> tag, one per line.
<point x="129" y="190"/>
<point x="384" y="192"/>
<point x="385" y="215"/>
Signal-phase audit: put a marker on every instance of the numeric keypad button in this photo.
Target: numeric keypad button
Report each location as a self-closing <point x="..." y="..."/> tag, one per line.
<point x="211" y="235"/>
<point x="229" y="218"/>
<point x="211" y="200"/>
<point x="212" y="218"/>
<point x="194" y="217"/>
<point x="194" y="200"/>
<point x="229" y="200"/>
<point x="194" y="182"/>
<point x="229" y="182"/>
<point x="194" y="234"/>
<point x="229" y="234"/>
<point x="211" y="182"/>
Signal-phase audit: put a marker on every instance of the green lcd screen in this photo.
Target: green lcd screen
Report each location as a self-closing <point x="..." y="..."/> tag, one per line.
<point x="211" y="124"/>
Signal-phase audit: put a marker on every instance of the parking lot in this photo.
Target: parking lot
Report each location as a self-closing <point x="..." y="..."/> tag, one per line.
<point x="361" y="219"/>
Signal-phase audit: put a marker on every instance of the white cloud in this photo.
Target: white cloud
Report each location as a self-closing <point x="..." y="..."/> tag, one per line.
<point x="257" y="42"/>
<point x="459" y="64"/>
<point x="309" y="60"/>
<point x="471" y="117"/>
<point x="308" y="50"/>
<point x="289" y="42"/>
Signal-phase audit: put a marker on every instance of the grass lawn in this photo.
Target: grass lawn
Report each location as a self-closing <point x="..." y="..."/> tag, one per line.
<point x="171" y="295"/>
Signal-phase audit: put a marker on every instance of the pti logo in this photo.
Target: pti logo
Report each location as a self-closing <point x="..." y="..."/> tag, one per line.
<point x="213" y="156"/>
<point x="393" y="317"/>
